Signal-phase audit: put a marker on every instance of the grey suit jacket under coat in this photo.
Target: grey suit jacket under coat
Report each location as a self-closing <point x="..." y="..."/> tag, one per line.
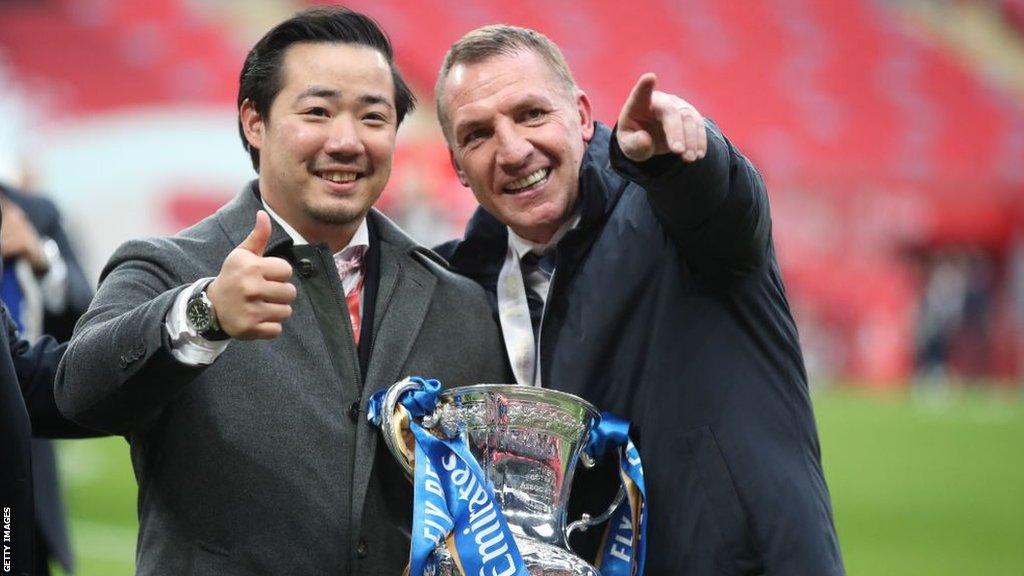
<point x="257" y="464"/>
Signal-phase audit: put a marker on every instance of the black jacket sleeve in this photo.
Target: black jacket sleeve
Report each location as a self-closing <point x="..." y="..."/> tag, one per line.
<point x="36" y="366"/>
<point x="715" y="209"/>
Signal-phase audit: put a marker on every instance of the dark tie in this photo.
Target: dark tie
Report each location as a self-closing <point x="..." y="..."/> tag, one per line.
<point x="535" y="270"/>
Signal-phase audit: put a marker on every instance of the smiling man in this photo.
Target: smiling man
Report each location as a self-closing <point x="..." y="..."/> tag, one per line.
<point x="635" y="268"/>
<point x="237" y="356"/>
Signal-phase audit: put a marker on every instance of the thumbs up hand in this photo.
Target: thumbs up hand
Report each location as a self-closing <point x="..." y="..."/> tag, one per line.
<point x="252" y="295"/>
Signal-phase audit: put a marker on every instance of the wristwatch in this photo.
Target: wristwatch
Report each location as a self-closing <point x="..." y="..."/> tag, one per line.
<point x="201" y="317"/>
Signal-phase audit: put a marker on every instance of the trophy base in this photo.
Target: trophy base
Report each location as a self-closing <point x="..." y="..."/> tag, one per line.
<point x="540" y="559"/>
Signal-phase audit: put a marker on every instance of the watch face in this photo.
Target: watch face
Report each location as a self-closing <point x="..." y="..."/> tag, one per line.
<point x="198" y="315"/>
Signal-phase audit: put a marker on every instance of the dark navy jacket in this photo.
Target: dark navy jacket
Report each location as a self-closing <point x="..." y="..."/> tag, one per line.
<point x="27" y="409"/>
<point x="667" y="307"/>
<point x="52" y="533"/>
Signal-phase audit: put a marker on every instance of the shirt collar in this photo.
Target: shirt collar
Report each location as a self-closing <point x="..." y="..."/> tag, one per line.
<point x="521" y="245"/>
<point x="360" y="240"/>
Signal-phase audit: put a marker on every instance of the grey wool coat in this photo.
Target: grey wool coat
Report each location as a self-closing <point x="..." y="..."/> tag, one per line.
<point x="260" y="463"/>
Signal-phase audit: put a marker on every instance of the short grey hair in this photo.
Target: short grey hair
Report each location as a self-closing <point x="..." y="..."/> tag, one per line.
<point x="500" y="40"/>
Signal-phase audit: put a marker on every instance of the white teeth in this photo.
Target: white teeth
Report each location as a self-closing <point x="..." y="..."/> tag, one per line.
<point x="338" y="176"/>
<point x="529" y="180"/>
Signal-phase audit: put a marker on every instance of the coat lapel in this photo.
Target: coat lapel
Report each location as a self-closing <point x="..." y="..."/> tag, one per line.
<point x="238" y="217"/>
<point x="403" y="297"/>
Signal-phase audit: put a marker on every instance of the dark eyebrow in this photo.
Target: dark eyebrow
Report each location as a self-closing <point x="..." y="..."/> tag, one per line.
<point x="332" y="94"/>
<point x="318" y="92"/>
<point x="374" y="99"/>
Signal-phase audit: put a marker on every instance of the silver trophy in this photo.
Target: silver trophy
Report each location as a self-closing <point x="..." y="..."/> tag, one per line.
<point x="527" y="442"/>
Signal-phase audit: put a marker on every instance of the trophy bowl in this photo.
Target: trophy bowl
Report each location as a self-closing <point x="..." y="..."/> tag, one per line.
<point x="527" y="442"/>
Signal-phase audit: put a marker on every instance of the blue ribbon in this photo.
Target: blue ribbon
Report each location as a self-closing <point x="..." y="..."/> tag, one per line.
<point x="418" y="402"/>
<point x="624" y="550"/>
<point x="453" y="499"/>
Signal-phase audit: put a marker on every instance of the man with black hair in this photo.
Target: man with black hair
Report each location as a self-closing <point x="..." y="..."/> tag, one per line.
<point x="237" y="358"/>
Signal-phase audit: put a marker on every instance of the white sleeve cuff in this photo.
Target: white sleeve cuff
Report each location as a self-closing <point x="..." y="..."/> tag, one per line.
<point x="187" y="346"/>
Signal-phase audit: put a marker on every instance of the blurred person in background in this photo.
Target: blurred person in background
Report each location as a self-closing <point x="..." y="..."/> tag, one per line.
<point x="27" y="410"/>
<point x="242" y="386"/>
<point x="44" y="285"/>
<point x="45" y="291"/>
<point x="1016" y="289"/>
<point x="954" y="319"/>
<point x="940" y="312"/>
<point x="635" y="267"/>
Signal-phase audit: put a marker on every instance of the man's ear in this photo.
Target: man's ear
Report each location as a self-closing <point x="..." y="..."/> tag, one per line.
<point x="586" y="115"/>
<point x="252" y="124"/>
<point x="458" y="171"/>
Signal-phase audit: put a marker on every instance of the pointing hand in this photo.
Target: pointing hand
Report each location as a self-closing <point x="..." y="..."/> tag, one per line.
<point x="653" y="123"/>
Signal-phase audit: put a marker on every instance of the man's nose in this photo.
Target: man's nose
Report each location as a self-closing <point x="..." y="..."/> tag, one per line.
<point x="343" y="136"/>
<point x="513" y="148"/>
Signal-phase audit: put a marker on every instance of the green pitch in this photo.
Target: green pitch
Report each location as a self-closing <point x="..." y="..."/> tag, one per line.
<point x="921" y="485"/>
<point x="931" y="484"/>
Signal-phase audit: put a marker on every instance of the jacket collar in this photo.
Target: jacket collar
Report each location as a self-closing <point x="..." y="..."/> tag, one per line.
<point x="238" y="216"/>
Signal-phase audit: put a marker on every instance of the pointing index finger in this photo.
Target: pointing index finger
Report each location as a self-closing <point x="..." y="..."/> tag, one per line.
<point x="639" y="101"/>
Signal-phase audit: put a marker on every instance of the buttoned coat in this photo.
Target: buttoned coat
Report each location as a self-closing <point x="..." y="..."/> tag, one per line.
<point x="263" y="462"/>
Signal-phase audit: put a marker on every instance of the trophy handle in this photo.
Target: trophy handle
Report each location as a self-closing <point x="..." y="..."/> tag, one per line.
<point x="394" y="425"/>
<point x="586" y="521"/>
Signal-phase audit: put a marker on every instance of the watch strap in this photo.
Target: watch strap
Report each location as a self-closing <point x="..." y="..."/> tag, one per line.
<point x="214" y="333"/>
